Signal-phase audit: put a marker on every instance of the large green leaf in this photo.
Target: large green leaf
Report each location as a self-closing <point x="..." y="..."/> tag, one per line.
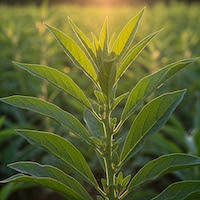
<point x="47" y="182"/>
<point x="74" y="52"/>
<point x="50" y="110"/>
<point x="58" y="79"/>
<point x="123" y="64"/>
<point x="179" y="190"/>
<point x="127" y="35"/>
<point x="150" y="119"/>
<point x="47" y="171"/>
<point x="163" y="165"/>
<point x="61" y="148"/>
<point x="149" y="83"/>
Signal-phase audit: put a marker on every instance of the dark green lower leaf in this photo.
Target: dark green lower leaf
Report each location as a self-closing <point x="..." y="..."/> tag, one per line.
<point x="61" y="148"/>
<point x="162" y="165"/>
<point x="179" y="190"/>
<point x="47" y="182"/>
<point x="51" y="110"/>
<point x="149" y="120"/>
<point x="37" y="170"/>
<point x="193" y="196"/>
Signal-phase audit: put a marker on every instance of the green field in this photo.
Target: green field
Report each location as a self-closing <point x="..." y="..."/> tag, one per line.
<point x="24" y="38"/>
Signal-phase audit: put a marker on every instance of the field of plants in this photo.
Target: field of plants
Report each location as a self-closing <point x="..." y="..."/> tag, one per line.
<point x="24" y="38"/>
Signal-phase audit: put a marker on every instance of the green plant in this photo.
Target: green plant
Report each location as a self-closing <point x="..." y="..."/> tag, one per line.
<point x="104" y="61"/>
<point x="174" y="138"/>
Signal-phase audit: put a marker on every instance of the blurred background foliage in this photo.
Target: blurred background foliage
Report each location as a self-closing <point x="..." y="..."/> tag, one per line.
<point x="24" y="38"/>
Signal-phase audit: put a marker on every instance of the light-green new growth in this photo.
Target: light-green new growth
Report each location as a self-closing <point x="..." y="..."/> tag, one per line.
<point x="104" y="61"/>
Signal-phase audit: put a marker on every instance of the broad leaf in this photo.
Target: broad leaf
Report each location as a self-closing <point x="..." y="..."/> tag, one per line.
<point x="61" y="148"/>
<point x="47" y="171"/>
<point x="127" y="35"/>
<point x="162" y="165"/>
<point x="58" y="79"/>
<point x="123" y="64"/>
<point x="46" y="182"/>
<point x="50" y="110"/>
<point x="150" y="119"/>
<point x="179" y="190"/>
<point x="149" y="83"/>
<point x="74" y="52"/>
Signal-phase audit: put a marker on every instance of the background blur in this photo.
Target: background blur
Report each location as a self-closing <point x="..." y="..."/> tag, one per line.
<point x="24" y="38"/>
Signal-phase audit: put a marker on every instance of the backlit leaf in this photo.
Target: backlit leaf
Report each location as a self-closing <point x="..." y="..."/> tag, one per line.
<point x="127" y="35"/>
<point x="74" y="52"/>
<point x="103" y="38"/>
<point x="89" y="47"/>
<point x="125" y="62"/>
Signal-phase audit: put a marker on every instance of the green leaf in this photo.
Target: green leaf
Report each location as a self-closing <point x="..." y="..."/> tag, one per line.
<point x="126" y="181"/>
<point x="94" y="126"/>
<point x="193" y="196"/>
<point x="103" y="38"/>
<point x="90" y="49"/>
<point x="58" y="79"/>
<point x="150" y="119"/>
<point x="107" y="74"/>
<point x="118" y="100"/>
<point x="46" y="182"/>
<point x="95" y="41"/>
<point x="2" y="119"/>
<point x="149" y="83"/>
<point x="162" y="165"/>
<point x="112" y="41"/>
<point x="179" y="190"/>
<point x="47" y="171"/>
<point x="50" y="110"/>
<point x="74" y="52"/>
<point x="61" y="148"/>
<point x="125" y="62"/>
<point x="127" y="35"/>
<point x="120" y="178"/>
<point x="100" y="198"/>
<point x="100" y="97"/>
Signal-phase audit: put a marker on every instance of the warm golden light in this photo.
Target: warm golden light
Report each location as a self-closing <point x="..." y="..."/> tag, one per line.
<point x="107" y="2"/>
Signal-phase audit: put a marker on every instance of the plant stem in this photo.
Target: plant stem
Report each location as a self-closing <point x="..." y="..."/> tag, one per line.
<point x="110" y="174"/>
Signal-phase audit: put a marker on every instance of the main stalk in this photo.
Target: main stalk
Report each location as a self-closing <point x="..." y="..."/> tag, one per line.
<point x="110" y="173"/>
